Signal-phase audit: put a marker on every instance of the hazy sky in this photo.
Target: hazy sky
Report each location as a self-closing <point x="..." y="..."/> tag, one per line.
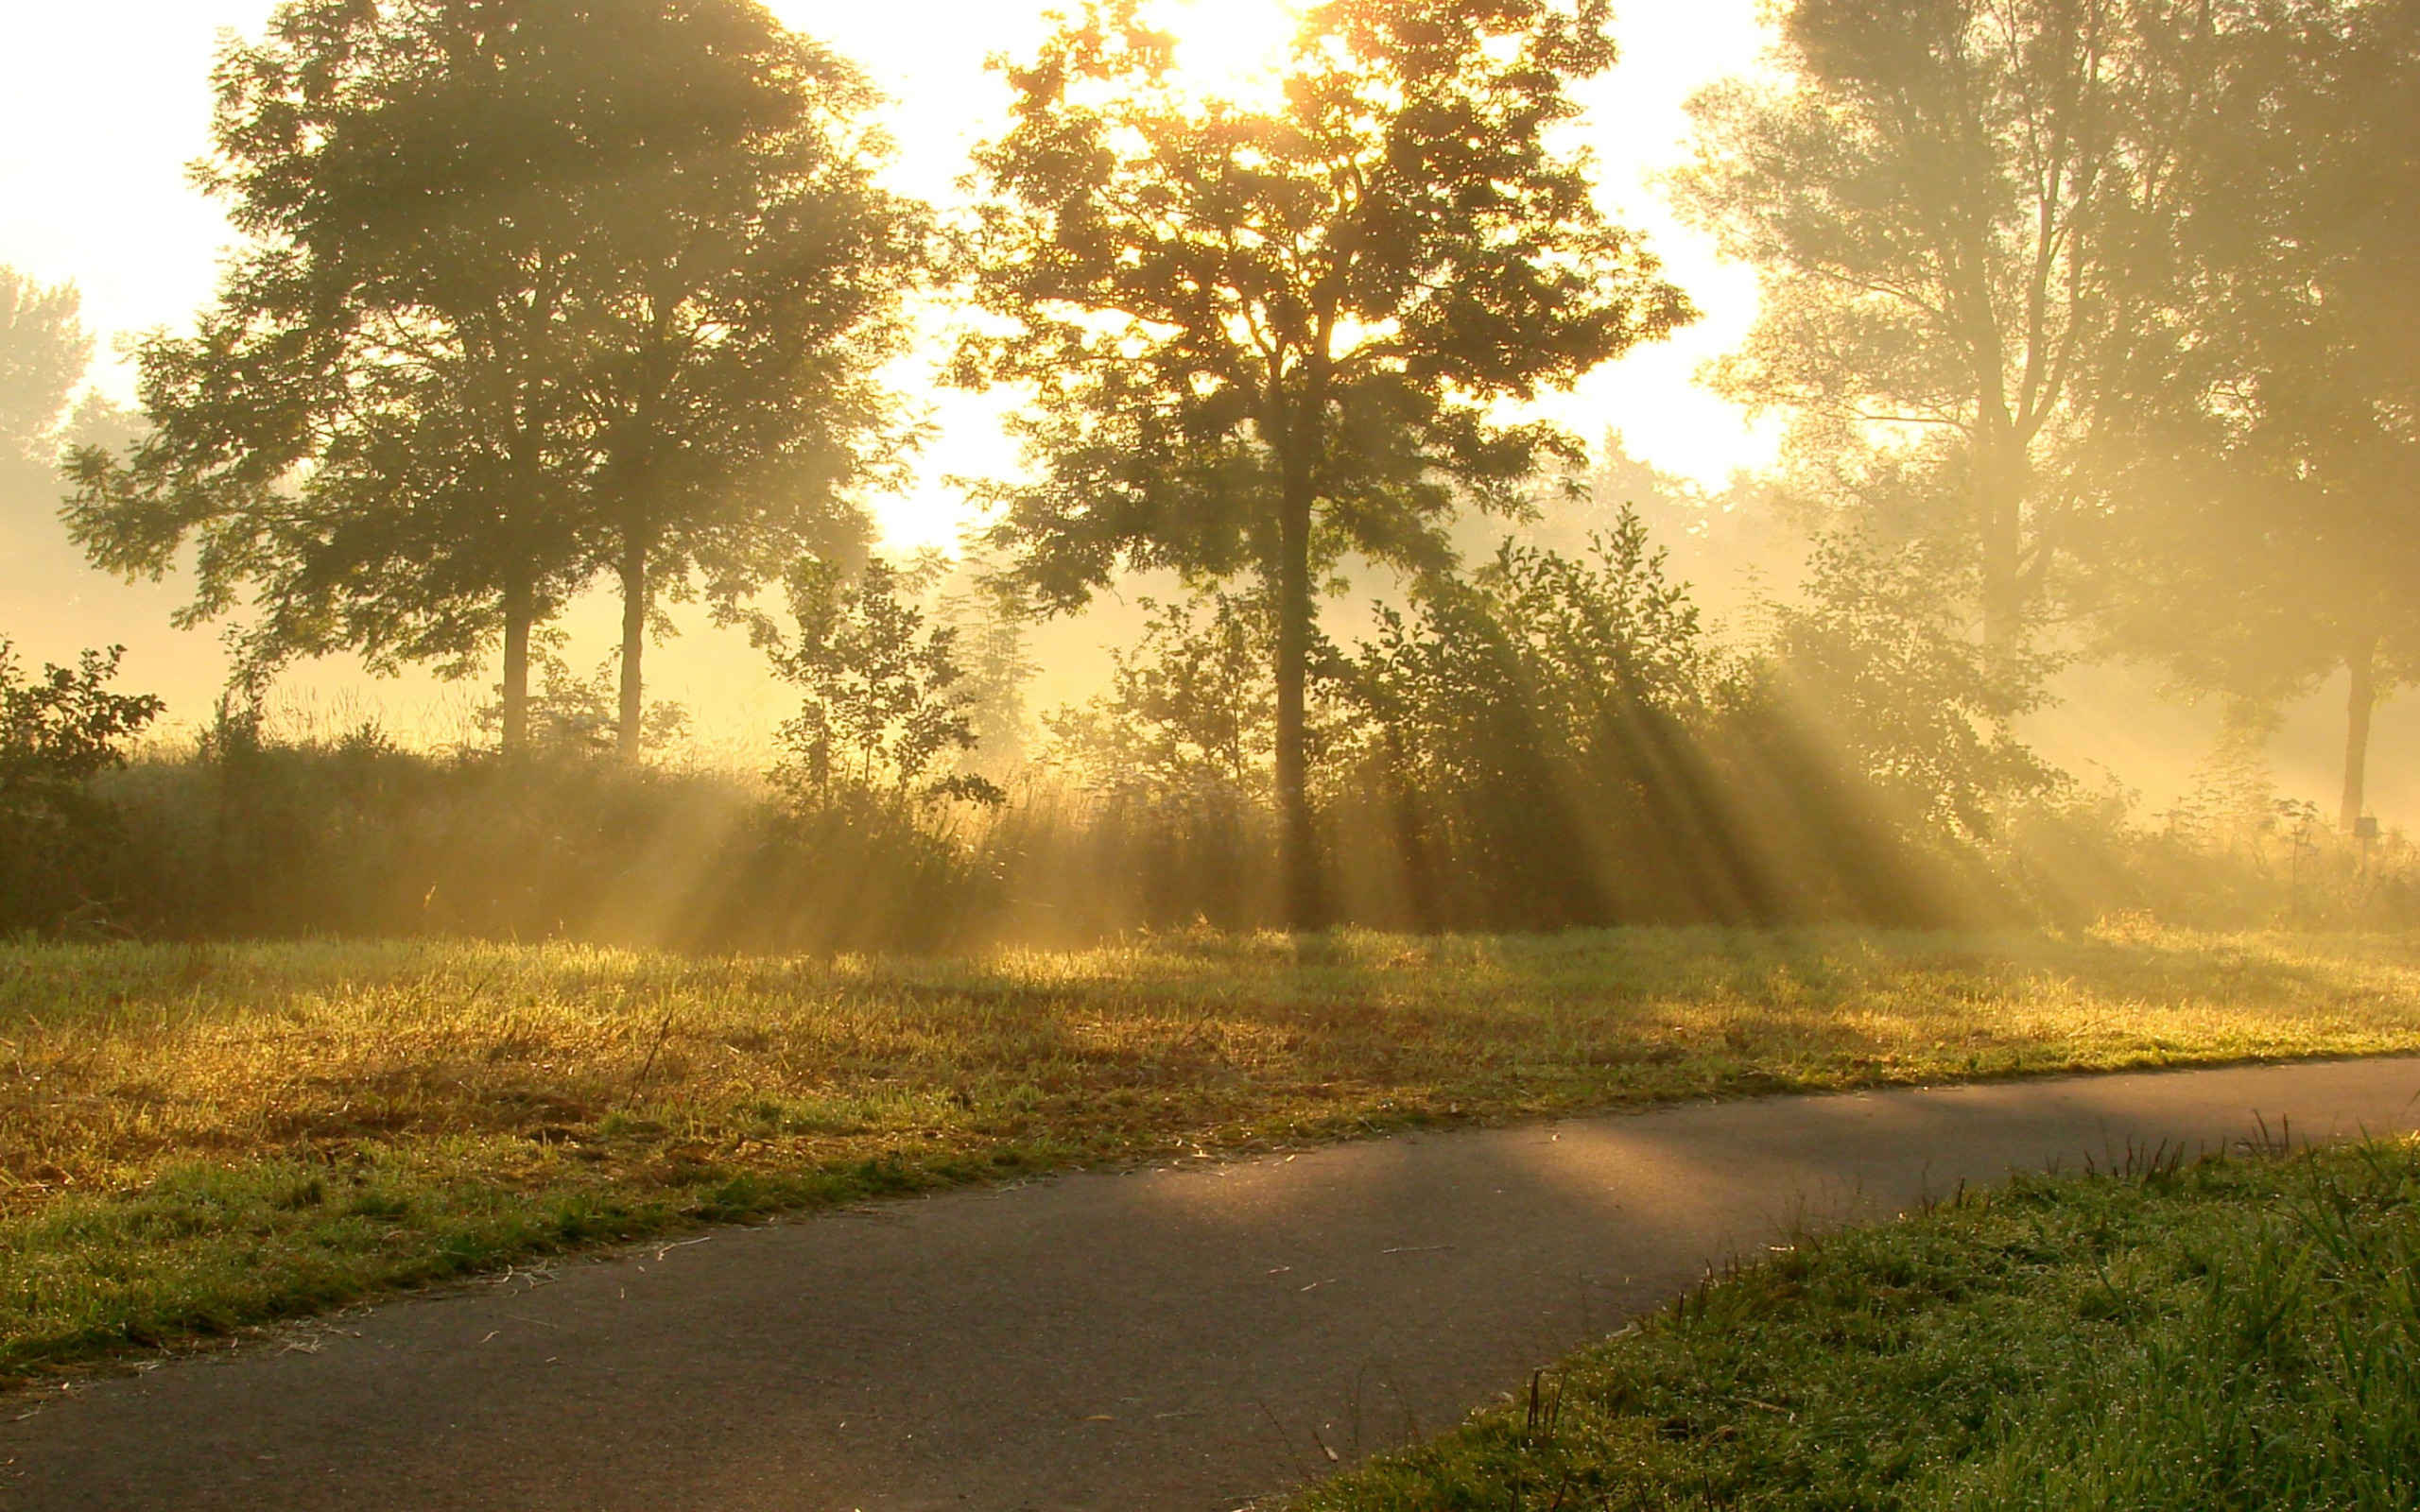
<point x="103" y="102"/>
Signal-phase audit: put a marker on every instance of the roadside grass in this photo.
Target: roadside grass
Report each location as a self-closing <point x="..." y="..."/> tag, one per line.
<point x="198" y="1140"/>
<point x="2240" y="1332"/>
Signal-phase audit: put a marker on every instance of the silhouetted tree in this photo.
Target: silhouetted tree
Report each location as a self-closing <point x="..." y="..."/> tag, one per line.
<point x="57" y="731"/>
<point x="886" y="703"/>
<point x="376" y="429"/>
<point x="1538" y="723"/>
<point x="739" y="283"/>
<point x="1259" y="337"/>
<point x="1188" y="717"/>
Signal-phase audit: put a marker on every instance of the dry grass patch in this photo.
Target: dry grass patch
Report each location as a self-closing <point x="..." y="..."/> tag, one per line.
<point x="195" y="1139"/>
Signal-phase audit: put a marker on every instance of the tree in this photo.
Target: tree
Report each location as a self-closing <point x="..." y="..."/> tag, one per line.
<point x="741" y="284"/>
<point x="1258" y="339"/>
<point x="1880" y="663"/>
<point x="2267" y="535"/>
<point x="1933" y="199"/>
<point x="61" y="729"/>
<point x="58" y="730"/>
<point x="375" y="428"/>
<point x="493" y="246"/>
<point x="885" y="701"/>
<point x="1188" y="717"/>
<point x="43" y="351"/>
<point x="1538" y="727"/>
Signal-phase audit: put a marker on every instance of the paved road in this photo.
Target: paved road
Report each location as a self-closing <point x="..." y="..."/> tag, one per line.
<point x="1183" y="1339"/>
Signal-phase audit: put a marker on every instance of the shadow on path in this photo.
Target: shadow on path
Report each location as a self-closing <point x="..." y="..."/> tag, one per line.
<point x="1181" y="1340"/>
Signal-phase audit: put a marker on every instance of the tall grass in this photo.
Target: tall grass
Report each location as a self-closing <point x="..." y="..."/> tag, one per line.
<point x="353" y="838"/>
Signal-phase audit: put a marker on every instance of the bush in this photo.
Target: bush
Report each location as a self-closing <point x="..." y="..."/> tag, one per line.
<point x="57" y="732"/>
<point x="250" y="838"/>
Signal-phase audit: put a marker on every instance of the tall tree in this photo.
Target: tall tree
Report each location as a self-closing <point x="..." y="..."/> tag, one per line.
<point x="479" y="231"/>
<point x="43" y="351"/>
<point x="375" y="430"/>
<point x="741" y="283"/>
<point x="1258" y="337"/>
<point x="2267" y="535"/>
<point x="1930" y="194"/>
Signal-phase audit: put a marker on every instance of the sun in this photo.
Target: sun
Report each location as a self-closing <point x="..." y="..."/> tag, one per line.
<point x="1227" y="46"/>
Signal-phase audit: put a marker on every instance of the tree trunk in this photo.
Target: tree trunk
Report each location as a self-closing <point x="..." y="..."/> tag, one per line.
<point x="2363" y="699"/>
<point x="520" y="608"/>
<point x="1412" y="843"/>
<point x="1297" y="845"/>
<point x="2002" y="488"/>
<point x="634" y="608"/>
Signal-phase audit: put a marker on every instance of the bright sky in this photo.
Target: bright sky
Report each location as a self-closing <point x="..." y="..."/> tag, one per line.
<point x="103" y="102"/>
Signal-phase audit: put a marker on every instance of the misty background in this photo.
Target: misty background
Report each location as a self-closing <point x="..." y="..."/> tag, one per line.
<point x="103" y="105"/>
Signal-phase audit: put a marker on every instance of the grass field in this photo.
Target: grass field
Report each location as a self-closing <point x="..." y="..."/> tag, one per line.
<point x="2239" y="1334"/>
<point x="195" y="1140"/>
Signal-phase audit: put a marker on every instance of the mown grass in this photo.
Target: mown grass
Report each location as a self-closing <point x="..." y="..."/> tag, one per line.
<point x="2241" y="1332"/>
<point x="196" y="1140"/>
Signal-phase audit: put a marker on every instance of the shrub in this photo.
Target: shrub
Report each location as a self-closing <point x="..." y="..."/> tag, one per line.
<point x="57" y="732"/>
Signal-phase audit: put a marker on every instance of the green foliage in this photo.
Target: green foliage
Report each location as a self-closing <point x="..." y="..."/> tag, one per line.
<point x="1539" y="732"/>
<point x="58" y="731"/>
<point x="1551" y="742"/>
<point x="887" y="704"/>
<point x="63" y="727"/>
<point x="2240" y="1332"/>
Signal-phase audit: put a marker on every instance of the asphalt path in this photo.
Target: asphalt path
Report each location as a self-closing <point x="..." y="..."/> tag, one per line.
<point x="1187" y="1338"/>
